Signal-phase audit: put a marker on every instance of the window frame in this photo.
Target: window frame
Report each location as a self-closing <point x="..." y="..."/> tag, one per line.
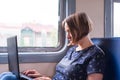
<point x="108" y="17"/>
<point x="45" y="54"/>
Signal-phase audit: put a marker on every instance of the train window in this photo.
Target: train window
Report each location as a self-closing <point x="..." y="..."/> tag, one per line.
<point x="35" y="22"/>
<point x="116" y="16"/>
<point x="112" y="15"/>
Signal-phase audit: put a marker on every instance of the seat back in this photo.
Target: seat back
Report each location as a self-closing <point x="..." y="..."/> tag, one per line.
<point x="111" y="47"/>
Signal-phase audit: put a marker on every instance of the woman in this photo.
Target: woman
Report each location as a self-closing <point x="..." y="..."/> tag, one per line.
<point x="84" y="60"/>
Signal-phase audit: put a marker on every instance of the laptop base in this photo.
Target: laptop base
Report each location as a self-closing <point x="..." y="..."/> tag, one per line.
<point x="23" y="77"/>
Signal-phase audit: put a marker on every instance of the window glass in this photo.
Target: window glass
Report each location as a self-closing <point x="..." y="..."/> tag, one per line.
<point x="35" y="22"/>
<point x="116" y="21"/>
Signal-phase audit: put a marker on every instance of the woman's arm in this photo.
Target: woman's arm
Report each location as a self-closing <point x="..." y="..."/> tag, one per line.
<point x="95" y="76"/>
<point x="42" y="78"/>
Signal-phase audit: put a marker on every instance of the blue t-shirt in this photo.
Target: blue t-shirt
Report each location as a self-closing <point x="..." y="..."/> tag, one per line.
<point x="77" y="65"/>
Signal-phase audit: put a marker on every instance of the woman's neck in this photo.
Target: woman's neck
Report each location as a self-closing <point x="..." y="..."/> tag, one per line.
<point x="84" y="43"/>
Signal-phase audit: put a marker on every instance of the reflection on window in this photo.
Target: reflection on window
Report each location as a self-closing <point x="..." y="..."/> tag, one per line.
<point x="116" y="19"/>
<point x="35" y="22"/>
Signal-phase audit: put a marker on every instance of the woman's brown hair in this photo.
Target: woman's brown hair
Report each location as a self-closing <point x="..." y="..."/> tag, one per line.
<point x="79" y="25"/>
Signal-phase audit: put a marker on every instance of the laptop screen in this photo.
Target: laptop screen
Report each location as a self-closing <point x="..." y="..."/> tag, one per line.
<point x="13" y="60"/>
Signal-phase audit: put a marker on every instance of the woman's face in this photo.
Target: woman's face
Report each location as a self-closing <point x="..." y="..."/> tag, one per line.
<point x="67" y="30"/>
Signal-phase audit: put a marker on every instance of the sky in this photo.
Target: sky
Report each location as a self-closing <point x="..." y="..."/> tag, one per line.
<point x="16" y="12"/>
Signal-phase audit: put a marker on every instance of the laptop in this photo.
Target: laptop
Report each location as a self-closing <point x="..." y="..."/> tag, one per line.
<point x="13" y="58"/>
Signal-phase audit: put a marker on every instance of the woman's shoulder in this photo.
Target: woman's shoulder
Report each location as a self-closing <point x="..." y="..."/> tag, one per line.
<point x="98" y="51"/>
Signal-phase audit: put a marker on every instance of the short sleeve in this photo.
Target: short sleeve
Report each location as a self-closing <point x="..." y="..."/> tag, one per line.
<point x="96" y="64"/>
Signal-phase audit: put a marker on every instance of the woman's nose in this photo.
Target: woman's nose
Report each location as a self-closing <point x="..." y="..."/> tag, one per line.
<point x="68" y="36"/>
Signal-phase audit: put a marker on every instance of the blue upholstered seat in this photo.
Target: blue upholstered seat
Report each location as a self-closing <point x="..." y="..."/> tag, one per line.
<point x="111" y="47"/>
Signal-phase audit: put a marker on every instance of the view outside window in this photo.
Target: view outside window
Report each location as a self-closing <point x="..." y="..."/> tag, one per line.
<point x="116" y="19"/>
<point x="35" y="22"/>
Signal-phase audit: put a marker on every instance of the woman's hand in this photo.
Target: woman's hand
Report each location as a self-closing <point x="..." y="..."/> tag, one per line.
<point x="32" y="73"/>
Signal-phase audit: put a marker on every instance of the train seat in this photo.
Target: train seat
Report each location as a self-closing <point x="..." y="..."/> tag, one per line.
<point x="111" y="47"/>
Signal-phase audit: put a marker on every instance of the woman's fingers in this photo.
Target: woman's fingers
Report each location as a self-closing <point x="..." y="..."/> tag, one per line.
<point x="34" y="75"/>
